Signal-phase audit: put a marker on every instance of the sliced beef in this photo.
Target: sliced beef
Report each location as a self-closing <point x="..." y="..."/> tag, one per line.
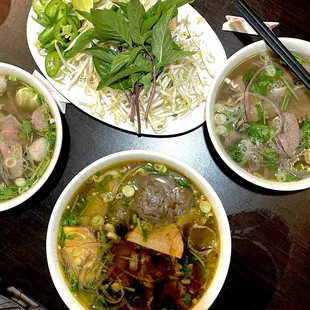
<point x="12" y="154"/>
<point x="10" y="127"/>
<point x="289" y="138"/>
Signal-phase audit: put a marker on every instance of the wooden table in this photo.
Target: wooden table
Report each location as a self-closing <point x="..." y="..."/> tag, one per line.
<point x="270" y="264"/>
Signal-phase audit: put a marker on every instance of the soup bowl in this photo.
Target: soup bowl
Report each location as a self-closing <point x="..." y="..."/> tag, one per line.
<point x="121" y="157"/>
<point x="296" y="45"/>
<point x="24" y="76"/>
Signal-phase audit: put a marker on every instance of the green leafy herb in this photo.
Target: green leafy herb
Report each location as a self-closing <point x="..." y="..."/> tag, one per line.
<point x="305" y="130"/>
<point x="125" y="203"/>
<point x="26" y="129"/>
<point x="247" y="77"/>
<point x="148" y="167"/>
<point x="111" y="25"/>
<point x="235" y="153"/>
<point x="135" y="12"/>
<point x="162" y="43"/>
<point x="182" y="181"/>
<point x="270" y="157"/>
<point x="260" y="132"/>
<point x="101" y="185"/>
<point x="263" y="114"/>
<point x="83" y="39"/>
<point x="186" y="298"/>
<point x="105" y="54"/>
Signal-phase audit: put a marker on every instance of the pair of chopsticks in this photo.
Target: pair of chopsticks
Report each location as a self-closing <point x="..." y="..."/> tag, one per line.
<point x="274" y="43"/>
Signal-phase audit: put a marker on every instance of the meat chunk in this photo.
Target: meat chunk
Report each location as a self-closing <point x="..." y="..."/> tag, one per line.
<point x="289" y="138"/>
<point x="38" y="149"/>
<point x="12" y="153"/>
<point x="38" y="120"/>
<point x="10" y="127"/>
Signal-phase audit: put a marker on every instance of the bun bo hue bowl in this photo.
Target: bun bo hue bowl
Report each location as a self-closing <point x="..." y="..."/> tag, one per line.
<point x="138" y="230"/>
<point x="30" y="135"/>
<point x="258" y="117"/>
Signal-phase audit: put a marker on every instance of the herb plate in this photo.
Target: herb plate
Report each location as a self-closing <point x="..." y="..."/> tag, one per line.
<point x="77" y="95"/>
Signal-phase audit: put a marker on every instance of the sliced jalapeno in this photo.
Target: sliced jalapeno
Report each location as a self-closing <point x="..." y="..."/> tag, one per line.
<point x="76" y="20"/>
<point x="62" y="11"/>
<point x="49" y="47"/>
<point x="46" y="35"/>
<point x="52" y="8"/>
<point x="43" y="19"/>
<point x="65" y="31"/>
<point x="52" y="63"/>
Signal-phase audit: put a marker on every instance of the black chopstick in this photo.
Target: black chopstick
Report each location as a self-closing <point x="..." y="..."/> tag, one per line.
<point x="274" y="43"/>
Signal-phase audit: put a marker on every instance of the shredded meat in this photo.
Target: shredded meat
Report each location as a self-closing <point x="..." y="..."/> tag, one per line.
<point x="161" y="201"/>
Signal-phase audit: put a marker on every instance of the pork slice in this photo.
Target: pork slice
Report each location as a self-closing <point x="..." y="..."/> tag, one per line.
<point x="10" y="127"/>
<point x="12" y="153"/>
<point x="289" y="138"/>
<point x="38" y="120"/>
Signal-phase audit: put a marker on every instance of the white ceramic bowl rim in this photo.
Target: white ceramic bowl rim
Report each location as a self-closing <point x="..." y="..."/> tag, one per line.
<point x="297" y="45"/>
<point x="23" y="75"/>
<point x="51" y="239"/>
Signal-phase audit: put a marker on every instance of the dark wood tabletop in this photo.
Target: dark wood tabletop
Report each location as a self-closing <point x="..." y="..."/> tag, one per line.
<point x="270" y="263"/>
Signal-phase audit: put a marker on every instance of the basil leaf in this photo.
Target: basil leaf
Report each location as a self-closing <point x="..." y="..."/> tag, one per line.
<point x="120" y="61"/>
<point x="134" y="53"/>
<point x="102" y="68"/>
<point x="162" y="43"/>
<point x="123" y="6"/>
<point x="135" y="17"/>
<point x="124" y="58"/>
<point x="111" y="25"/>
<point x="146" y="80"/>
<point x="174" y="56"/>
<point x="125" y="73"/>
<point x="105" y="54"/>
<point x="151" y="16"/>
<point x="121" y="85"/>
<point x="168" y="4"/>
<point x="80" y="43"/>
<point x="134" y="78"/>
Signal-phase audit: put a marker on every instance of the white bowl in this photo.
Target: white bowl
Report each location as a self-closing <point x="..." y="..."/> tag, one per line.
<point x="23" y="75"/>
<point x="296" y="45"/>
<point x="224" y="231"/>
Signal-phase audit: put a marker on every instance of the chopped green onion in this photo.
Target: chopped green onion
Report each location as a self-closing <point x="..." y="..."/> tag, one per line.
<point x="289" y="87"/>
<point x="128" y="191"/>
<point x="205" y="207"/>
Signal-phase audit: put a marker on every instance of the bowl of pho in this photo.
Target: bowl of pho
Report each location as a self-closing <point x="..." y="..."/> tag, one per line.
<point x="138" y="230"/>
<point x="258" y="117"/>
<point x="30" y="135"/>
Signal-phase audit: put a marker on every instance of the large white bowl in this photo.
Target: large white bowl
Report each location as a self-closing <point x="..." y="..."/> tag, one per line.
<point x="26" y="77"/>
<point x="299" y="46"/>
<point x="224" y="231"/>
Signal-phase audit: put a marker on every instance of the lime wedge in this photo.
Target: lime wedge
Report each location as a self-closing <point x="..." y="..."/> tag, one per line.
<point x="83" y="5"/>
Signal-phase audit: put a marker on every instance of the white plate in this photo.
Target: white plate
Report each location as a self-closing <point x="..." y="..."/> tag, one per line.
<point x="76" y="94"/>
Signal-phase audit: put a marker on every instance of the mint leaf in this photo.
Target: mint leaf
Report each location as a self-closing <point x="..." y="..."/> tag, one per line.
<point x="111" y="25"/>
<point x="135" y="12"/>
<point x="162" y="43"/>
